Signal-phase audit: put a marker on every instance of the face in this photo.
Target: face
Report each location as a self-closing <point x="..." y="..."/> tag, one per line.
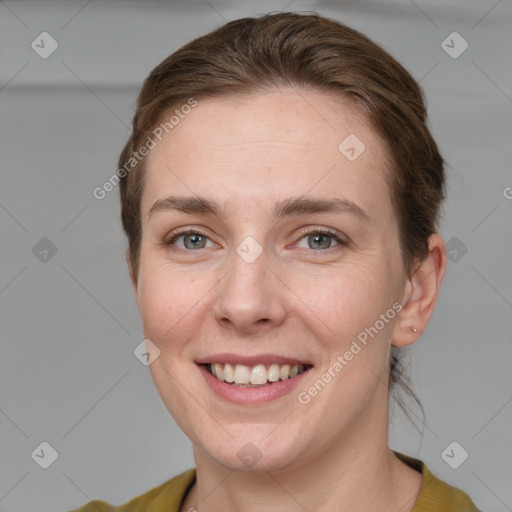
<point x="270" y="256"/>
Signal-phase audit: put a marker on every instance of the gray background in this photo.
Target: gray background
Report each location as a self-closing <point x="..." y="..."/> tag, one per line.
<point x="69" y="324"/>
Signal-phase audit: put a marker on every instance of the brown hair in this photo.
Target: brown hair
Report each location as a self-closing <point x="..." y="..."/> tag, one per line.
<point x="302" y="50"/>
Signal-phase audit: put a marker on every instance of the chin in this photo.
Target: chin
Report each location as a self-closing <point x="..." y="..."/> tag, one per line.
<point x="254" y="453"/>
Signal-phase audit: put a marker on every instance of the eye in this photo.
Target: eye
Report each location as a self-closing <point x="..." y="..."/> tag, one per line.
<point x="189" y="240"/>
<point x="314" y="238"/>
<point x="321" y="239"/>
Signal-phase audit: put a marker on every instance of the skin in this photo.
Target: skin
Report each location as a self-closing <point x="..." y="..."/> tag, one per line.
<point x="309" y="303"/>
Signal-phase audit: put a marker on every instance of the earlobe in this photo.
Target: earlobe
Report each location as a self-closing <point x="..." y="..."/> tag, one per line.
<point x="420" y="294"/>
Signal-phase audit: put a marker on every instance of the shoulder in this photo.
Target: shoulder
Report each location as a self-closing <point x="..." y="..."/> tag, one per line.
<point x="436" y="495"/>
<point x="166" y="497"/>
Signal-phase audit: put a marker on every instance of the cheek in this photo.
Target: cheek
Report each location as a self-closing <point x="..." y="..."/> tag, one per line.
<point x="353" y="321"/>
<point x="169" y="302"/>
<point x="344" y="302"/>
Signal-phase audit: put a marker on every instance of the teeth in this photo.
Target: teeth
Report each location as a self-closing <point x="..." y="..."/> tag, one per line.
<point x="273" y="373"/>
<point x="284" y="372"/>
<point x="257" y="375"/>
<point x="218" y="371"/>
<point x="229" y="374"/>
<point x="241" y="374"/>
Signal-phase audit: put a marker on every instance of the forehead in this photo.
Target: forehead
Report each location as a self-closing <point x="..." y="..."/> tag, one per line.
<point x="270" y="145"/>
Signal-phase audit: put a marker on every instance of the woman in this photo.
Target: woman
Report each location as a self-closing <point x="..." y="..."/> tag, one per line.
<point x="280" y="193"/>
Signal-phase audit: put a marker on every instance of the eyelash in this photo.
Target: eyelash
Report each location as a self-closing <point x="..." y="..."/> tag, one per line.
<point x="312" y="230"/>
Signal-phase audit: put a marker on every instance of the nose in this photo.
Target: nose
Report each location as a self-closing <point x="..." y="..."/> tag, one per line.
<point x="250" y="298"/>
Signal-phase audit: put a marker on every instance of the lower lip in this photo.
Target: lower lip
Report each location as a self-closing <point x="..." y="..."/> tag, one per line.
<point x="239" y="395"/>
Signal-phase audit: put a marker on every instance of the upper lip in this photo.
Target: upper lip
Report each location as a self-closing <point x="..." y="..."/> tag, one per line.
<point x="250" y="360"/>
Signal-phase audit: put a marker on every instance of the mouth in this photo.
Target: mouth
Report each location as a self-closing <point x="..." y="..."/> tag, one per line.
<point x="255" y="376"/>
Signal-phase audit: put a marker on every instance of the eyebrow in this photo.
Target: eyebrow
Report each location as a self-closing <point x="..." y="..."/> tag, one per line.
<point x="288" y="207"/>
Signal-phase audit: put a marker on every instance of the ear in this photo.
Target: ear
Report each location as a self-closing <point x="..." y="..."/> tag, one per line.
<point x="420" y="294"/>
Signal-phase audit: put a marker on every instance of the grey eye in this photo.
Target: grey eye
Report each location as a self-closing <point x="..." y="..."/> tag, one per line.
<point x="319" y="240"/>
<point x="190" y="240"/>
<point x="194" y="241"/>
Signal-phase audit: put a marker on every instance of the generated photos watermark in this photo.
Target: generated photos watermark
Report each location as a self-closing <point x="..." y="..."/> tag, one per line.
<point x="305" y="397"/>
<point x="149" y="144"/>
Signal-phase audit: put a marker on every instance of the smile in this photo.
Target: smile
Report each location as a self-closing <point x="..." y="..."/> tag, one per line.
<point x="258" y="375"/>
<point x="252" y="380"/>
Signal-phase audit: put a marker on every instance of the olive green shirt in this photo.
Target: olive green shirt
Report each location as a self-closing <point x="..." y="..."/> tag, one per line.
<point x="435" y="495"/>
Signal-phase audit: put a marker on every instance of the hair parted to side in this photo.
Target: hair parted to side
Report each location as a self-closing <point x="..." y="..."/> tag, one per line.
<point x="286" y="49"/>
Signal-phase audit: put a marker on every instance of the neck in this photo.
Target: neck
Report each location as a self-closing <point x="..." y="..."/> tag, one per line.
<point x="357" y="472"/>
